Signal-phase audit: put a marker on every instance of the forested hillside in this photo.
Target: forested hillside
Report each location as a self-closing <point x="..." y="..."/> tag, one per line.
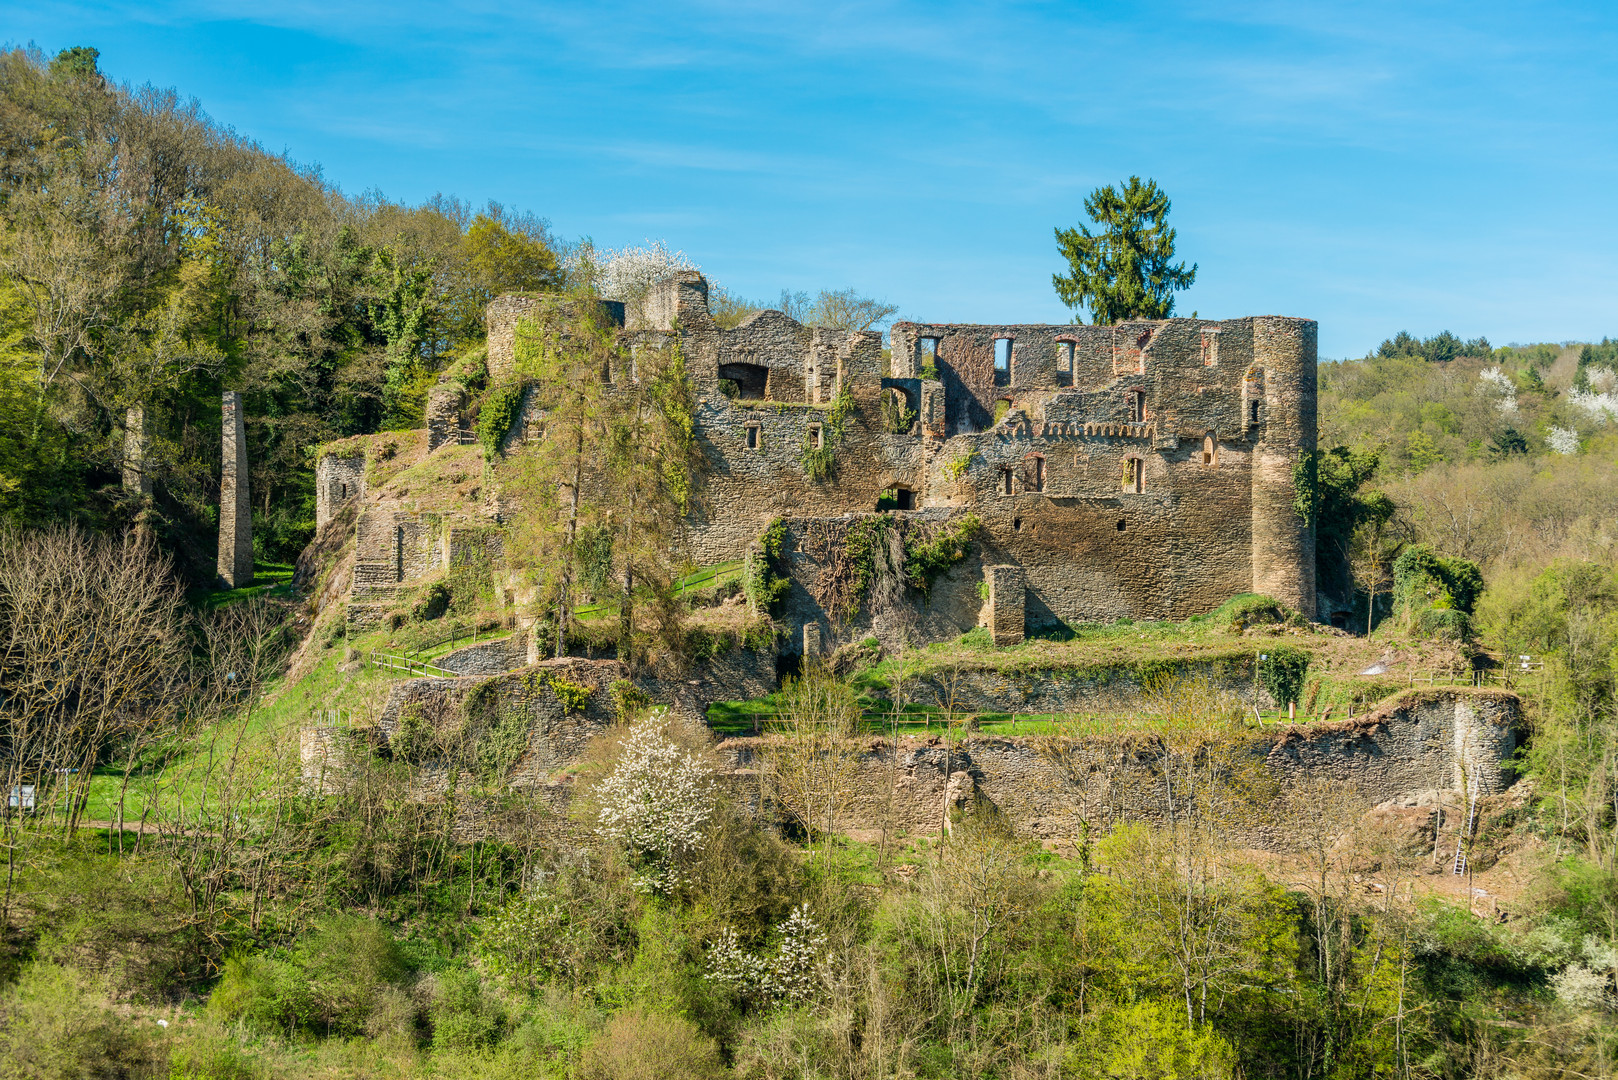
<point x="185" y="898"/>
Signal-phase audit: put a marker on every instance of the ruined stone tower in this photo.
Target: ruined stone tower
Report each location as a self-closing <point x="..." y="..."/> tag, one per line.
<point x="235" y="502"/>
<point x="1279" y="396"/>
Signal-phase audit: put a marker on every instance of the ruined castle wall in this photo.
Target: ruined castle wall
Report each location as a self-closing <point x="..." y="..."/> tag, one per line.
<point x="338" y="480"/>
<point x="235" y="500"/>
<point x="1052" y="787"/>
<point x="395" y="547"/>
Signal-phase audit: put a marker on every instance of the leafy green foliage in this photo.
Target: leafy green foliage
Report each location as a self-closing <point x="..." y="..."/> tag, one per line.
<point x="820" y="462"/>
<point x="1281" y="670"/>
<point x="1424" y="579"/>
<point x="956" y="467"/>
<point x="767" y="582"/>
<point x="1124" y="270"/>
<point x="498" y="415"/>
<point x="926" y="557"/>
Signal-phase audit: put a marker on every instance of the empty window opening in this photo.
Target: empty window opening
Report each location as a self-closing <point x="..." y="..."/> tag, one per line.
<point x="751" y="380"/>
<point x="897" y="497"/>
<point x="1134" y="475"/>
<point x="1144" y="340"/>
<point x="817" y="436"/>
<point x="1064" y="363"/>
<point x="1120" y="524"/>
<point x="1002" y="360"/>
<point x="1252" y="411"/>
<point x="1340" y="620"/>
<point x="1005" y="482"/>
<point x="1210" y="450"/>
<point x="1033" y="473"/>
<point x="927" y="357"/>
<point x="752" y="436"/>
<point x="1016" y="524"/>
<point x="1136" y="400"/>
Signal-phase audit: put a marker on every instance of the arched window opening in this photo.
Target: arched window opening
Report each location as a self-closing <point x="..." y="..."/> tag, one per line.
<point x="1210" y="450"/>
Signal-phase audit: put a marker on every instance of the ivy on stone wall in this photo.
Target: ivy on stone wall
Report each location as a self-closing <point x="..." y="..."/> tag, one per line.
<point x="820" y="462"/>
<point x="1281" y="670"/>
<point x="926" y="557"/>
<point x="766" y="582"/>
<point x="1306" y="486"/>
<point x="498" y="415"/>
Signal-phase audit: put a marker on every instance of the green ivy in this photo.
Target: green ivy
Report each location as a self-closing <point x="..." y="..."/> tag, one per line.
<point x="926" y="559"/>
<point x="498" y="415"/>
<point x="766" y="582"/>
<point x="820" y="462"/>
<point x="866" y="538"/>
<point x="1306" y="486"/>
<point x="1282" y="670"/>
<point x="956" y="467"/>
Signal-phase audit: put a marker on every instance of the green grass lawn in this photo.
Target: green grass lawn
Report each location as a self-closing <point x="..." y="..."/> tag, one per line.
<point x="269" y="580"/>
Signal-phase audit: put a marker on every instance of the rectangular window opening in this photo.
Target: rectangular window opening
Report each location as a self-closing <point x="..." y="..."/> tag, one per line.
<point x="817" y="436"/>
<point x="752" y="436"/>
<point x="1002" y="361"/>
<point x="1064" y="363"/>
<point x="1005" y="482"/>
<point x="1137" y="406"/>
<point x="1036" y="473"/>
<point x="927" y="357"/>
<point x="1134" y="475"/>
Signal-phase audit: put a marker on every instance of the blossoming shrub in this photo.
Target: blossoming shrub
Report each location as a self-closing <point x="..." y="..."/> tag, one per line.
<point x="655" y="802"/>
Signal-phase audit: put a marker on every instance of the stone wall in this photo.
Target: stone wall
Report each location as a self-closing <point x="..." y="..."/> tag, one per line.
<point x="338" y="479"/>
<point x="488" y="657"/>
<point x="137" y="450"/>
<point x="444" y="403"/>
<point x="1060" y="788"/>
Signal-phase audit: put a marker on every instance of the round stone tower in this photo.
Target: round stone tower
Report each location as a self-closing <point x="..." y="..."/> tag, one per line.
<point x="1280" y="418"/>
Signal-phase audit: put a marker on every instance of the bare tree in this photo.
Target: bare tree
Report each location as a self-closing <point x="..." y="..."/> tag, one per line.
<point x="91" y="645"/>
<point x="813" y="760"/>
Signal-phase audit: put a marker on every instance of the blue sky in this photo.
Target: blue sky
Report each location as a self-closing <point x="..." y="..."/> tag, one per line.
<point x="1374" y="166"/>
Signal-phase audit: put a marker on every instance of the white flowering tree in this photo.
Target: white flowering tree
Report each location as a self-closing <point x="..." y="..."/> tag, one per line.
<point x="790" y="974"/>
<point x="627" y="273"/>
<point x="1562" y="440"/>
<point x="655" y="802"/>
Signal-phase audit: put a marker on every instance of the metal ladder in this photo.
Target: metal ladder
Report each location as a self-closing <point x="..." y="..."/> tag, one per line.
<point x="1460" y="841"/>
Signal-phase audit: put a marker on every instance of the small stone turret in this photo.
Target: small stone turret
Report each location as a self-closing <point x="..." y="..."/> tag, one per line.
<point x="1279" y="403"/>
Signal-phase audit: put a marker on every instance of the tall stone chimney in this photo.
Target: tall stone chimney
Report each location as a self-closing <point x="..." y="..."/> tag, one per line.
<point x="136" y="449"/>
<point x="235" y="502"/>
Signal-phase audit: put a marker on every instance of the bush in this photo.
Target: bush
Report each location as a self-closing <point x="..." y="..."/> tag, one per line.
<point x="433" y="603"/>
<point x="1254" y="609"/>
<point x="463" y="1016"/>
<point x="639" y="1045"/>
<point x="328" y="984"/>
<point x="498" y="415"/>
<point x="1281" y="670"/>
<point x="52" y="1026"/>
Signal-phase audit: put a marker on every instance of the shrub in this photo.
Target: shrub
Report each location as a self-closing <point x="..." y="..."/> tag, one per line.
<point x="328" y="984"/>
<point x="928" y="557"/>
<point x="766" y="581"/>
<point x="433" y="603"/>
<point x="1424" y="579"/>
<point x="463" y="1016"/>
<point x="655" y="802"/>
<point x="627" y="697"/>
<point x="1254" y="609"/>
<point x="55" y="1029"/>
<point x="1281" y="670"/>
<point x="639" y="1045"/>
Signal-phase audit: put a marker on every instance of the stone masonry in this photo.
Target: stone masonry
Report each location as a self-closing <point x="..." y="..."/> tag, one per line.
<point x="235" y="501"/>
<point x="137" y="451"/>
<point x="1143" y="470"/>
